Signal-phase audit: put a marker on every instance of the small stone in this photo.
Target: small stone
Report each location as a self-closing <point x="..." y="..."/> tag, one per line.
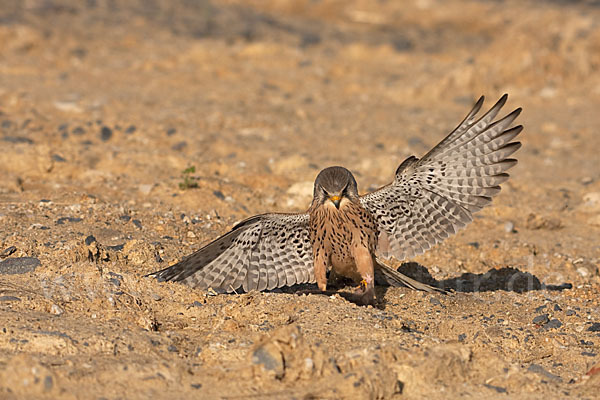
<point x="595" y="327"/>
<point x="553" y="324"/>
<point x="541" y="319"/>
<point x="218" y="194"/>
<point x="540" y="308"/>
<point x="509" y="227"/>
<point x="17" y="139"/>
<point x="583" y="272"/>
<point x="538" y="369"/>
<point x="557" y="308"/>
<point x="435" y="301"/>
<point x="569" y="313"/>
<point x="130" y="129"/>
<point x="105" y="133"/>
<point x="171" y="131"/>
<point x="137" y="223"/>
<point x="8" y="251"/>
<point x="191" y="234"/>
<point x="145" y="188"/>
<point x="270" y="358"/>
<point x="9" y="298"/>
<point x="172" y="348"/>
<point x="179" y="145"/>
<point x="58" y="158"/>
<point x="156" y="297"/>
<point x="56" y="310"/>
<point x="62" y="220"/>
<point x="19" y="265"/>
<point x="89" y="240"/>
<point x="78" y="131"/>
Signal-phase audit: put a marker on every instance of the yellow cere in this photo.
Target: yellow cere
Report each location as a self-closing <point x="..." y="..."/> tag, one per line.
<point x="335" y="198"/>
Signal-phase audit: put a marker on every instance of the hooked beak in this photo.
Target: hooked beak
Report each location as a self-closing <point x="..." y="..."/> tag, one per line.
<point x="336" y="201"/>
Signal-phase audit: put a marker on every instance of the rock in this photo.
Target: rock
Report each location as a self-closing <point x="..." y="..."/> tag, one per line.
<point x="541" y="319"/>
<point x="538" y="369"/>
<point x="583" y="272"/>
<point x="8" y="251"/>
<point x="105" y="133"/>
<point x="130" y="129"/>
<point x="9" y="298"/>
<point x="19" y="265"/>
<point x="509" y="227"/>
<point x="271" y="359"/>
<point x="553" y="324"/>
<point x="591" y="202"/>
<point x="595" y="327"/>
<point x="56" y="310"/>
<point x="145" y="188"/>
<point x="17" y="139"/>
<point x="62" y="220"/>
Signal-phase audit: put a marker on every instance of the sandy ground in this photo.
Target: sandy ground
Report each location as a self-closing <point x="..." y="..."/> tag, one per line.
<point x="104" y="104"/>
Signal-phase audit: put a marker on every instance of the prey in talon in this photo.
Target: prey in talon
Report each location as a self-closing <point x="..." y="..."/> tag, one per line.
<point x="351" y="235"/>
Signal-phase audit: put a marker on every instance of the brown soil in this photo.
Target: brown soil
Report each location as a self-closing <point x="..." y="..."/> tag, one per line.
<point x="103" y="104"/>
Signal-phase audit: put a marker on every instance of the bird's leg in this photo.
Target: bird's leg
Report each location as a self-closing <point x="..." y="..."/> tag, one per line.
<point x="320" y="265"/>
<point x="364" y="266"/>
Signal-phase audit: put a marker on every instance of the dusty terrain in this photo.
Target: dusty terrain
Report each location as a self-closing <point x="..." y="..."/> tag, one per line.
<point x="104" y="104"/>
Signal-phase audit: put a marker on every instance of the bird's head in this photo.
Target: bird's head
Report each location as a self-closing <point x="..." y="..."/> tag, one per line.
<point x="334" y="184"/>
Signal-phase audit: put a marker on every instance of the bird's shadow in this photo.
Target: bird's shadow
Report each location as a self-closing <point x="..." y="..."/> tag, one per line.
<point x="507" y="279"/>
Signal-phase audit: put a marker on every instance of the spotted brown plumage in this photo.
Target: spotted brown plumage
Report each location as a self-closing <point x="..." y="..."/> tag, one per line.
<point x="429" y="199"/>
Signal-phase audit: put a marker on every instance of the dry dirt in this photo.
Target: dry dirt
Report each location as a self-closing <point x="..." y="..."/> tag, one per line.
<point x="103" y="104"/>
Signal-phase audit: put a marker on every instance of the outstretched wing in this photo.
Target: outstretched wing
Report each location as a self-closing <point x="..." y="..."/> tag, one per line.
<point x="433" y="197"/>
<point x="263" y="252"/>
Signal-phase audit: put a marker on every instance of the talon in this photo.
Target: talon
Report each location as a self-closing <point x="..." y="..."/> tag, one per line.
<point x="363" y="284"/>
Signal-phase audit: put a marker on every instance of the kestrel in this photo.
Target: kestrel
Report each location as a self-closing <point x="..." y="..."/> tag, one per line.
<point x="429" y="199"/>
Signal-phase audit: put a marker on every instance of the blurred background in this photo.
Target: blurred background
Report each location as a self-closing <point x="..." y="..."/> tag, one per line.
<point x="134" y="101"/>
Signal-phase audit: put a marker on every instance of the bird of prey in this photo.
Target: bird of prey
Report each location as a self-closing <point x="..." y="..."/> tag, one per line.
<point x="429" y="199"/>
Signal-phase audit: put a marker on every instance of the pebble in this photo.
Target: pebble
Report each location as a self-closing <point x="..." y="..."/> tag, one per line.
<point x="179" y="146"/>
<point x="62" y="220"/>
<point x="270" y="358"/>
<point x="56" y="310"/>
<point x="17" y="139"/>
<point x="583" y="271"/>
<point x="137" y="223"/>
<point x="509" y="227"/>
<point x="78" y="131"/>
<point x="538" y="369"/>
<point x="9" y="298"/>
<point x="8" y="251"/>
<point x="18" y="265"/>
<point x="553" y="324"/>
<point x="145" y="188"/>
<point x="541" y="319"/>
<point x="595" y="327"/>
<point x="105" y="133"/>
<point x="130" y="129"/>
<point x="171" y="131"/>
